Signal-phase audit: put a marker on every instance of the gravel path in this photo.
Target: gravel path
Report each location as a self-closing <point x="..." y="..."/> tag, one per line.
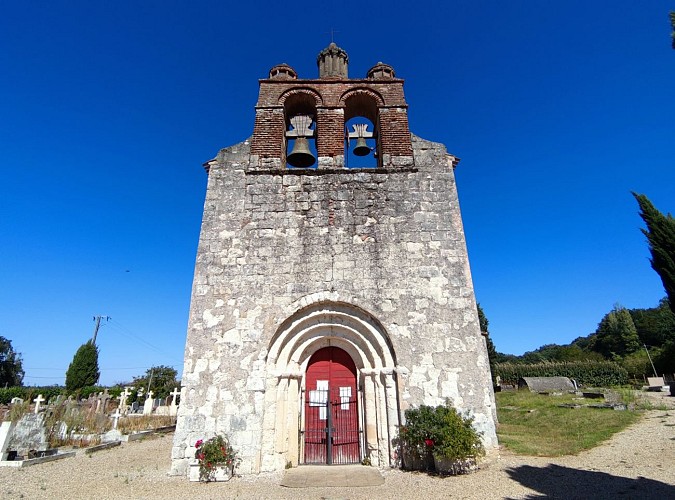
<point x="636" y="463"/>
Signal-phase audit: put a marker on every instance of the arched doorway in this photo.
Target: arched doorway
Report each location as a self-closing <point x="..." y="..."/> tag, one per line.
<point x="308" y="330"/>
<point x="331" y="415"/>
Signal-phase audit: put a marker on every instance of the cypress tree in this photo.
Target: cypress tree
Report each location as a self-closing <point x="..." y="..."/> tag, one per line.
<point x="83" y="371"/>
<point x="660" y="234"/>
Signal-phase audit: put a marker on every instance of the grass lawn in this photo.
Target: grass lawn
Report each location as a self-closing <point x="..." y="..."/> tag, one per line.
<point x="534" y="424"/>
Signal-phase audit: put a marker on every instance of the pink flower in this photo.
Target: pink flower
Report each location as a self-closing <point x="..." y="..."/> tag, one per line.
<point x="429" y="442"/>
<point x="199" y="443"/>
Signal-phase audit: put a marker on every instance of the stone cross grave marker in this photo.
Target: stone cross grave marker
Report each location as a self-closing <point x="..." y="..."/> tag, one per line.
<point x="116" y="416"/>
<point x="147" y="406"/>
<point x="173" y="408"/>
<point x="103" y="398"/>
<point x="123" y="399"/>
<point x="37" y="402"/>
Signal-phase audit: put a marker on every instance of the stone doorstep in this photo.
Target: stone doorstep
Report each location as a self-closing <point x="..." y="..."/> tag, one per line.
<point x="35" y="461"/>
<point x="317" y="476"/>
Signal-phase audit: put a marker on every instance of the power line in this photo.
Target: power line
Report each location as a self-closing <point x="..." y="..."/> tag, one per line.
<point x="106" y="369"/>
<point x="97" y="320"/>
<point x="127" y="332"/>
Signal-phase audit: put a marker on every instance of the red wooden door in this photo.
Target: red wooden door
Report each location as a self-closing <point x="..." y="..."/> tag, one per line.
<point x="331" y="416"/>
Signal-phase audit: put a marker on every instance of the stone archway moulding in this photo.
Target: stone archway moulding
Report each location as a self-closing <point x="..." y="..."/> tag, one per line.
<point x="317" y="323"/>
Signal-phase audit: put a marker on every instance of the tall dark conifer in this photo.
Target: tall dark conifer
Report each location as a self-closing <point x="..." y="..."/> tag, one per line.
<point x="660" y="234"/>
<point x="83" y="371"/>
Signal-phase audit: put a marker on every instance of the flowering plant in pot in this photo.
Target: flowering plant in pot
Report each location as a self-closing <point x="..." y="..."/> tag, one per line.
<point x="213" y="455"/>
<point x="415" y="438"/>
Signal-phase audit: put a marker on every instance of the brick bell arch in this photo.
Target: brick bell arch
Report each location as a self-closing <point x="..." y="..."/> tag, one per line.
<point x="320" y="325"/>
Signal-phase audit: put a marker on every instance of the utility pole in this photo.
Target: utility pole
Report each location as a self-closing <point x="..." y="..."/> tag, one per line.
<point x="650" y="360"/>
<point x="97" y="321"/>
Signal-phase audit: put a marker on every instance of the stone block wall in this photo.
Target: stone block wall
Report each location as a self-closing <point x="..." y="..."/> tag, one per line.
<point x="388" y="241"/>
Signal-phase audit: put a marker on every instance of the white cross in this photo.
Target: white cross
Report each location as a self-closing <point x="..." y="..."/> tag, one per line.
<point x="150" y="394"/>
<point x="175" y="394"/>
<point x="37" y="402"/>
<point x="116" y="416"/>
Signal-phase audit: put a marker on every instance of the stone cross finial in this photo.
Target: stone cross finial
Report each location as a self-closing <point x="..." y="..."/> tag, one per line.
<point x="38" y="401"/>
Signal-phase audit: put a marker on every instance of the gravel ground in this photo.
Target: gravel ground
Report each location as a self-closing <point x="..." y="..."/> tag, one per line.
<point x="636" y="463"/>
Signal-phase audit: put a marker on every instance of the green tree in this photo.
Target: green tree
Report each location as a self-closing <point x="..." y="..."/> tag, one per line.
<point x="665" y="359"/>
<point x="616" y="334"/>
<point x="11" y="369"/>
<point x="557" y="353"/>
<point x="660" y="234"/>
<point x="161" y="380"/>
<point x="83" y="371"/>
<point x="656" y="325"/>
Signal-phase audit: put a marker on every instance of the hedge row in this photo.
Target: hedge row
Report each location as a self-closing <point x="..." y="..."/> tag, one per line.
<point x="586" y="373"/>
<point x="49" y="392"/>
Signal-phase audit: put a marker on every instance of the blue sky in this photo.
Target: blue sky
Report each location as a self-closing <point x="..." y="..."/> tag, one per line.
<point x="108" y="109"/>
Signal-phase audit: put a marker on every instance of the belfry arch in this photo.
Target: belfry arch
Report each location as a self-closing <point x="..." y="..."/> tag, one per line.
<point x="359" y="334"/>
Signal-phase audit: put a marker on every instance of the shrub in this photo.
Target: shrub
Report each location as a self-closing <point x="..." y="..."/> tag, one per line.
<point x="454" y="437"/>
<point x="440" y="432"/>
<point x="588" y="373"/>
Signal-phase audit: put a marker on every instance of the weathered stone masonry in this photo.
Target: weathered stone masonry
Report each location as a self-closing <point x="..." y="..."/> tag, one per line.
<point x="371" y="261"/>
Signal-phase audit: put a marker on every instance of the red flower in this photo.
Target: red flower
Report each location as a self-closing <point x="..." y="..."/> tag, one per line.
<point x="199" y="443"/>
<point x="429" y="442"/>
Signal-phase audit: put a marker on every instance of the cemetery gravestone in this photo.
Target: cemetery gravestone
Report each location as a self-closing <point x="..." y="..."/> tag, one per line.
<point x="6" y="430"/>
<point x="147" y="407"/>
<point x="37" y="402"/>
<point x="546" y="384"/>
<point x="103" y="398"/>
<point x="116" y="416"/>
<point x="173" y="408"/>
<point x="29" y="434"/>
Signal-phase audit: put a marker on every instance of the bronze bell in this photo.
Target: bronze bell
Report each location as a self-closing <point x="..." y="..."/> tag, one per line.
<point x="361" y="148"/>
<point x="301" y="156"/>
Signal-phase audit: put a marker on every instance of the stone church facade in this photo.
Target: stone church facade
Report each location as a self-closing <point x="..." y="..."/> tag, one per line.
<point x="327" y="300"/>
